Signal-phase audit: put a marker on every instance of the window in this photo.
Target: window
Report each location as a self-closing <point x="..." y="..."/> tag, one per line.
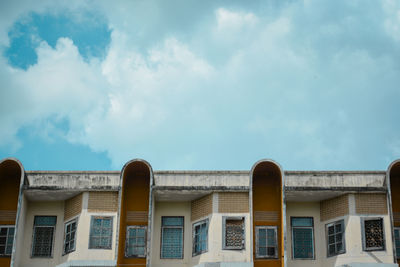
<point x="43" y="236"/>
<point x="69" y="235"/>
<point x="266" y="242"/>
<point x="172" y="237"/>
<point x="233" y="232"/>
<point x="373" y="236"/>
<point x="200" y="237"/>
<point x="101" y="232"/>
<point x="6" y="240"/>
<point x="397" y="240"/>
<point x="135" y="246"/>
<point x="302" y="237"/>
<point x="335" y="238"/>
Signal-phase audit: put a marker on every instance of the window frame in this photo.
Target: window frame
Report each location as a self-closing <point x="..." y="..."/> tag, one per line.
<point x="396" y="228"/>
<point x="266" y="227"/>
<point x="70" y="222"/>
<point x="34" y="234"/>
<point x="363" y="237"/>
<point x="7" y="237"/>
<point x="343" y="251"/>
<point x="233" y="218"/>
<point x="162" y="236"/>
<point x="302" y="227"/>
<point x="93" y="217"/>
<point x="194" y="225"/>
<point x="127" y="240"/>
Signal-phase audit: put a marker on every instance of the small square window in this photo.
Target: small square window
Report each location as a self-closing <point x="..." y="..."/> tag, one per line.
<point x="70" y="236"/>
<point x="373" y="234"/>
<point x="43" y="236"/>
<point x="6" y="240"/>
<point x="335" y="238"/>
<point x="172" y="237"/>
<point x="397" y="241"/>
<point x="302" y="237"/>
<point x="266" y="242"/>
<point x="233" y="232"/>
<point x="101" y="232"/>
<point x="135" y="246"/>
<point x="200" y="237"/>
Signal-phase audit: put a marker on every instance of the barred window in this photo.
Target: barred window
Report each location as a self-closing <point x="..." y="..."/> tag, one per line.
<point x="101" y="232"/>
<point x="373" y="236"/>
<point x="70" y="236"/>
<point x="135" y="246"/>
<point x="172" y="237"/>
<point x="233" y="232"/>
<point x="335" y="238"/>
<point x="200" y="237"/>
<point x="6" y="240"/>
<point x="302" y="237"/>
<point x="397" y="241"/>
<point x="43" y="235"/>
<point x="266" y="242"/>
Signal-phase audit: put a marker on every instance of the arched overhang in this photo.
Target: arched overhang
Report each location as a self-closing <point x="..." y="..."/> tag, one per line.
<point x="135" y="207"/>
<point x="12" y="180"/>
<point x="393" y="188"/>
<point x="267" y="207"/>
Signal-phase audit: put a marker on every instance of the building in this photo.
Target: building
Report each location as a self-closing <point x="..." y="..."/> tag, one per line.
<point x="140" y="217"/>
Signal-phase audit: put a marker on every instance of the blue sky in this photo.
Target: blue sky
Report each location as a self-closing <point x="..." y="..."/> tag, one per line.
<point x="89" y="85"/>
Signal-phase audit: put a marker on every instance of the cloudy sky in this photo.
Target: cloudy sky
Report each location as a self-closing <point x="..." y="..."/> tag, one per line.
<point x="89" y="85"/>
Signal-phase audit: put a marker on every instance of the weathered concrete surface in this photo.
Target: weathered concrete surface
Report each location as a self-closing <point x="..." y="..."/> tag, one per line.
<point x="89" y="180"/>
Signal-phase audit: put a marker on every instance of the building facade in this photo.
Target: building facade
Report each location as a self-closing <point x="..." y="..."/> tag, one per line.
<point x="139" y="217"/>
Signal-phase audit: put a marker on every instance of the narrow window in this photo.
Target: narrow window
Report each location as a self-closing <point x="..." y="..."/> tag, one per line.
<point x="266" y="242"/>
<point x="335" y="238"/>
<point x="397" y="241"/>
<point x="6" y="240"/>
<point x="172" y="237"/>
<point x="70" y="236"/>
<point x="43" y="235"/>
<point x="135" y="246"/>
<point x="233" y="232"/>
<point x="101" y="232"/>
<point x="373" y="236"/>
<point x="302" y="237"/>
<point x="200" y="237"/>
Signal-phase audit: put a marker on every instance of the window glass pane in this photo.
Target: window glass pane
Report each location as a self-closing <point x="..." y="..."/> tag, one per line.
<point x="262" y="251"/>
<point x="45" y="220"/>
<point x="43" y="241"/>
<point x="3" y="231"/>
<point x="2" y="250"/>
<point x="271" y="251"/>
<point x="271" y="237"/>
<point x="172" y="221"/>
<point x="101" y="233"/>
<point x="172" y="243"/>
<point x="234" y="233"/>
<point x="374" y="234"/>
<point x="303" y="243"/>
<point x="302" y="222"/>
<point x="3" y="240"/>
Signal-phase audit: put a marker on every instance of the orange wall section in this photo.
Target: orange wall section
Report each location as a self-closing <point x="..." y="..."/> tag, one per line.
<point x="10" y="178"/>
<point x="267" y="196"/>
<point x="395" y="189"/>
<point x="134" y="197"/>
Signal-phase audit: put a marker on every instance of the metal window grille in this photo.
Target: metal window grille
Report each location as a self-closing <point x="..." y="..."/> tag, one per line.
<point x="172" y="237"/>
<point x="397" y="241"/>
<point x="135" y="241"/>
<point x="43" y="235"/>
<point x="266" y="242"/>
<point x="233" y="233"/>
<point x="335" y="238"/>
<point x="200" y="237"/>
<point x="373" y="236"/>
<point x="302" y="237"/>
<point x="6" y="240"/>
<point x="70" y="236"/>
<point x="101" y="232"/>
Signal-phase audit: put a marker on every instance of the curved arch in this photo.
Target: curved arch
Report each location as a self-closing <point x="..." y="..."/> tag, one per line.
<point x="12" y="179"/>
<point x="267" y="207"/>
<point x="393" y="188"/>
<point x="135" y="197"/>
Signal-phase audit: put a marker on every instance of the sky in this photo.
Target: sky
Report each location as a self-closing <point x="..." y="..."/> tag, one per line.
<point x="200" y="85"/>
